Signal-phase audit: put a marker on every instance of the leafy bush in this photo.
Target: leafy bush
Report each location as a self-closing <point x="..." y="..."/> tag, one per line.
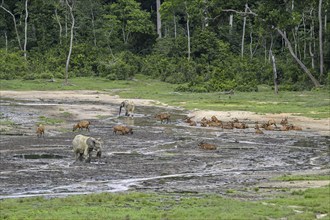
<point x="116" y="71"/>
<point x="247" y="87"/>
<point x="46" y="75"/>
<point x="206" y="47"/>
<point x="12" y="65"/>
<point x="200" y="88"/>
<point x="29" y="76"/>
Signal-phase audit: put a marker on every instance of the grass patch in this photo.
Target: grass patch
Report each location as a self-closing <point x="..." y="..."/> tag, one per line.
<point x="6" y="122"/>
<point x="66" y="114"/>
<point x="310" y="202"/>
<point x="49" y="121"/>
<point x="302" y="177"/>
<point x="313" y="104"/>
<point x="166" y="206"/>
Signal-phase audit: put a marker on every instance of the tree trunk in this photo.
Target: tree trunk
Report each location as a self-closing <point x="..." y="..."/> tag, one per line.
<point x="320" y="39"/>
<point x="251" y="41"/>
<point x="188" y="31"/>
<point x="310" y="75"/>
<point x="71" y="43"/>
<point x="231" y="16"/>
<point x="295" y="42"/>
<point x="25" y="27"/>
<point x="174" y="21"/>
<point x="312" y="40"/>
<point x="205" y="21"/>
<point x="159" y="22"/>
<point x="265" y="47"/>
<point x="304" y="36"/>
<point x="66" y="24"/>
<point x="14" y="19"/>
<point x="93" y="24"/>
<point x="310" y="48"/>
<point x="326" y="43"/>
<point x="6" y="39"/>
<point x="188" y="35"/>
<point x="275" y="72"/>
<point x="243" y="34"/>
<point x="270" y="47"/>
<point x="59" y="24"/>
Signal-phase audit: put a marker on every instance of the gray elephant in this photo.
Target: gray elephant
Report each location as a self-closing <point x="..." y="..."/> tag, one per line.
<point x="129" y="107"/>
<point x="83" y="147"/>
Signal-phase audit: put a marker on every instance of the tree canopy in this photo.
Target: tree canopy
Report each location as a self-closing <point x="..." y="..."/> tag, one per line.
<point x="204" y="45"/>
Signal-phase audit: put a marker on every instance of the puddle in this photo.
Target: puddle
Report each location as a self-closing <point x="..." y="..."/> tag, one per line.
<point x="38" y="156"/>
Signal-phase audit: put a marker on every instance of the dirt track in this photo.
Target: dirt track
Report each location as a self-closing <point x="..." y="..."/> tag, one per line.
<point x="157" y="157"/>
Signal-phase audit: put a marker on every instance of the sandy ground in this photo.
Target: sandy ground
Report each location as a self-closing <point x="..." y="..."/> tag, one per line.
<point x="86" y="111"/>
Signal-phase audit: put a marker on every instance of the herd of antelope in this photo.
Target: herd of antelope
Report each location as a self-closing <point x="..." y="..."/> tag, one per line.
<point x="165" y="117"/>
<point x="270" y="125"/>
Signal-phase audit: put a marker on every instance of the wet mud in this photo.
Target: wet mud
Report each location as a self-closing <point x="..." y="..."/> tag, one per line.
<point x="155" y="158"/>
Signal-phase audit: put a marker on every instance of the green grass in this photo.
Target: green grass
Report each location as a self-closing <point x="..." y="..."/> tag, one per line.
<point x="302" y="177"/>
<point x="315" y="104"/>
<point x="167" y="206"/>
<point x="49" y="121"/>
<point x="6" y="122"/>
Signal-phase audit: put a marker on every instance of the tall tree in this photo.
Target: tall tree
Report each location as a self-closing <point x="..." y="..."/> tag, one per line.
<point x="310" y="75"/>
<point x="131" y="18"/>
<point x="58" y="20"/>
<point x="71" y="40"/>
<point x="320" y="38"/>
<point x="188" y="29"/>
<point x="243" y="32"/>
<point x="159" y="21"/>
<point x="25" y="27"/>
<point x="15" y="26"/>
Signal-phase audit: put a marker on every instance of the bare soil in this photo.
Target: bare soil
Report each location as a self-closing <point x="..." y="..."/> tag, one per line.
<point x="156" y="157"/>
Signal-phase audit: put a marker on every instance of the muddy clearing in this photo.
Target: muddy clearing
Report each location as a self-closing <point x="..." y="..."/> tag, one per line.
<point x="156" y="157"/>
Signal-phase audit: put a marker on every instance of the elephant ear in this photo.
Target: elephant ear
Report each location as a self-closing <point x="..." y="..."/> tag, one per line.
<point x="90" y="143"/>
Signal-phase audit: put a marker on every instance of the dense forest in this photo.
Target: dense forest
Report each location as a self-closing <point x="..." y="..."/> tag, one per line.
<point x="200" y="45"/>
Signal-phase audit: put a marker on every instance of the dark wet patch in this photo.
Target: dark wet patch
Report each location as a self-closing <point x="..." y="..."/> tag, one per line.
<point x="38" y="156"/>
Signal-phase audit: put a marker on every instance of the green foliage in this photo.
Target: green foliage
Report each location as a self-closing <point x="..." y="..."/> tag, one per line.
<point x="129" y="19"/>
<point x="46" y="75"/>
<point x="12" y="65"/>
<point x="82" y="60"/>
<point x="240" y="75"/>
<point x="119" y="67"/>
<point x="118" y="39"/>
<point x="206" y="47"/>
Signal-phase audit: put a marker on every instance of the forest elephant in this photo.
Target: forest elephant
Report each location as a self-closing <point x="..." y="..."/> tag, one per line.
<point x="129" y="107"/>
<point x="83" y="147"/>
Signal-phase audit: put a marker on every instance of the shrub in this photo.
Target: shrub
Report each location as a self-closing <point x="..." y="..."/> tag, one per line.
<point x="29" y="76"/>
<point x="12" y="65"/>
<point x="196" y="88"/>
<point x="46" y="75"/>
